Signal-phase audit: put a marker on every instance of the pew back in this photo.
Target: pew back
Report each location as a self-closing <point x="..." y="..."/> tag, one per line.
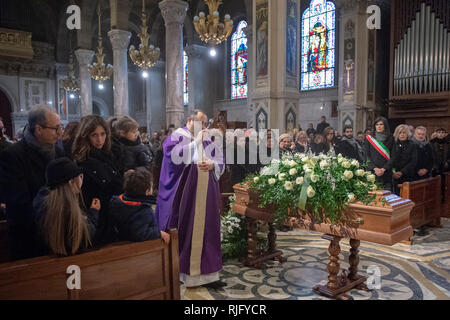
<point x="138" y="271"/>
<point x="446" y="205"/>
<point x="4" y="253"/>
<point x="426" y="194"/>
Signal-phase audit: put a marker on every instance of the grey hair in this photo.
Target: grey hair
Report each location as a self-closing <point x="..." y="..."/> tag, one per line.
<point x="38" y="115"/>
<point x="421" y="128"/>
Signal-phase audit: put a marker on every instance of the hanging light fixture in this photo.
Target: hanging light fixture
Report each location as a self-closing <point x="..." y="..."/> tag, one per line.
<point x="147" y="55"/>
<point x="209" y="29"/>
<point x="71" y="83"/>
<point x="99" y="71"/>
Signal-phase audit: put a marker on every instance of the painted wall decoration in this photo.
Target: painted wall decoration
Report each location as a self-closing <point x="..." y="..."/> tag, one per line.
<point x="239" y="58"/>
<point x="185" y="78"/>
<point x="261" y="120"/>
<point x="318" y="45"/>
<point x="349" y="60"/>
<point x="291" y="38"/>
<point x="290" y="120"/>
<point x="262" y="39"/>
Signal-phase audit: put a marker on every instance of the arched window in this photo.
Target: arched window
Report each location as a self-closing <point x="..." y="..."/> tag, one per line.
<point x="185" y="78"/>
<point x="318" y="45"/>
<point x="239" y="62"/>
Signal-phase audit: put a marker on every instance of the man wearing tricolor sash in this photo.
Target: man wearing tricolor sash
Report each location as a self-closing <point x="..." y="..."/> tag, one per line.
<point x="377" y="149"/>
<point x="189" y="200"/>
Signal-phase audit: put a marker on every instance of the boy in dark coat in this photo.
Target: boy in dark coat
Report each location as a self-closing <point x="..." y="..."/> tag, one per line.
<point x="132" y="212"/>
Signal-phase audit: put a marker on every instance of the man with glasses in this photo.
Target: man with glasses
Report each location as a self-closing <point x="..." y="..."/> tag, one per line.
<point x="22" y="174"/>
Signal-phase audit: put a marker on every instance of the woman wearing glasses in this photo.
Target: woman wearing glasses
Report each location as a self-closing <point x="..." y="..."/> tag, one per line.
<point x="102" y="179"/>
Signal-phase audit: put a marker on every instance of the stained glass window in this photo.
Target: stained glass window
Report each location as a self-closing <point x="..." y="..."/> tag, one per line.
<point x="185" y="78"/>
<point x="318" y="45"/>
<point x="239" y="62"/>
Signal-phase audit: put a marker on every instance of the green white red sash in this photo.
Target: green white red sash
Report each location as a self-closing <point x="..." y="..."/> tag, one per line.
<point x="379" y="146"/>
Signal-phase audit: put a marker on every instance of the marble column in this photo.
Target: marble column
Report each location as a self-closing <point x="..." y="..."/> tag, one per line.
<point x="198" y="70"/>
<point x="120" y="40"/>
<point x="250" y="84"/>
<point x="356" y="103"/>
<point x="84" y="58"/>
<point x="174" y="12"/>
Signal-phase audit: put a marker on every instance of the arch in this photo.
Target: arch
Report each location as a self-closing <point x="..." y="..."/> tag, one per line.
<point x="12" y="100"/>
<point x="6" y="112"/>
<point x="102" y="105"/>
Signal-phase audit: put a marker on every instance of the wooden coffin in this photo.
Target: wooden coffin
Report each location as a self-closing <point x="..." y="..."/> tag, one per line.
<point x="385" y="221"/>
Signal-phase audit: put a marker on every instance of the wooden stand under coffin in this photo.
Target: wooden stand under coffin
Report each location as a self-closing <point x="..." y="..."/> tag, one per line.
<point x="386" y="221"/>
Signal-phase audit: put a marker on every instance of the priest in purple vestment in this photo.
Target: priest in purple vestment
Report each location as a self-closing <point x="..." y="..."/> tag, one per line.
<point x="189" y="200"/>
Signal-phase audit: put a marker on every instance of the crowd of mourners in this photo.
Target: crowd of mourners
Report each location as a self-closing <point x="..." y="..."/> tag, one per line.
<point x="95" y="181"/>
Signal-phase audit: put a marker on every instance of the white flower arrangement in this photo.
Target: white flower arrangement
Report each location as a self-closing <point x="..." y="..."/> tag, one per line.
<point x="320" y="185"/>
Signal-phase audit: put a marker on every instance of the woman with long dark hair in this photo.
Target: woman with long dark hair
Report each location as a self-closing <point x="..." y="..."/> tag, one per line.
<point x="377" y="149"/>
<point x="103" y="179"/>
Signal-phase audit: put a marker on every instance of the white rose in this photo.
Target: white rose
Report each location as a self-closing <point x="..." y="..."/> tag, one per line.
<point x="305" y="167"/>
<point x="374" y="188"/>
<point x="288" y="185"/>
<point x="281" y="176"/>
<point x="348" y="174"/>
<point x="299" y="180"/>
<point x="360" y="172"/>
<point x="314" y="178"/>
<point x="304" y="159"/>
<point x="293" y="171"/>
<point x="272" y="181"/>
<point x="285" y="162"/>
<point x="371" y="178"/>
<point x="255" y="179"/>
<point x="323" y="164"/>
<point x="355" y="163"/>
<point x="310" y="192"/>
<point x="346" y="164"/>
<point x="292" y="163"/>
<point x="308" y="170"/>
<point x="351" y="197"/>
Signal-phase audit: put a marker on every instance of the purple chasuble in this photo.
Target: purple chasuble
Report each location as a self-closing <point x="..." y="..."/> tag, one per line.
<point x="190" y="201"/>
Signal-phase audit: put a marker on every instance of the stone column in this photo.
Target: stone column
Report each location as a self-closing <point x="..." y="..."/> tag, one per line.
<point x="174" y="12"/>
<point x="120" y="40"/>
<point x="197" y="81"/>
<point x="250" y="84"/>
<point x="84" y="58"/>
<point x="356" y="105"/>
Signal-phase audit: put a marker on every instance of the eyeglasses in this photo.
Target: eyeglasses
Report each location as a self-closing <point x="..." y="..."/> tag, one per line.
<point x="58" y="128"/>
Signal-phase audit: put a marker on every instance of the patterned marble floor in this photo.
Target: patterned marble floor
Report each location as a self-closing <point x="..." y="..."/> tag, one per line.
<point x="417" y="272"/>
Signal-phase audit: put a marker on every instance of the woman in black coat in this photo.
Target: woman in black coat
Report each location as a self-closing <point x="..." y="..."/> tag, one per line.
<point x="404" y="157"/>
<point x="378" y="149"/>
<point x="102" y="176"/>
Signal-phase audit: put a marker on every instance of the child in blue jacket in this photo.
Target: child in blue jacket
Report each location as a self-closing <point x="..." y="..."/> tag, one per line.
<point x="132" y="212"/>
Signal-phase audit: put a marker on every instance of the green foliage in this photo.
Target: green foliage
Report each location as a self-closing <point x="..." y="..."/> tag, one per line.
<point x="233" y="233"/>
<point x="328" y="183"/>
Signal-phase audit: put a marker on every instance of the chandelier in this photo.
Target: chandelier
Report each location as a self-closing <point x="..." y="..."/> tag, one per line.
<point x="99" y="71"/>
<point x="210" y="29"/>
<point x="71" y="83"/>
<point x="146" y="56"/>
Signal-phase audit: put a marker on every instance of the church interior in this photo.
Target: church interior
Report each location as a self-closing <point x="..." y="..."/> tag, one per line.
<point x="271" y="64"/>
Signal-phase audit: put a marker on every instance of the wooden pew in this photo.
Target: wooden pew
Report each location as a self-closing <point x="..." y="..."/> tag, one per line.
<point x="4" y="254"/>
<point x="136" y="271"/>
<point x="445" y="213"/>
<point x="426" y="194"/>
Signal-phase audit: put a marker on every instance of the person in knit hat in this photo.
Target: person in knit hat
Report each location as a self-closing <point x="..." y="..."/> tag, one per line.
<point x="63" y="224"/>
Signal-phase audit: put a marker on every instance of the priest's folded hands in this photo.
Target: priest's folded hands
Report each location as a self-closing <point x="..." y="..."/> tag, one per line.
<point x="206" y="165"/>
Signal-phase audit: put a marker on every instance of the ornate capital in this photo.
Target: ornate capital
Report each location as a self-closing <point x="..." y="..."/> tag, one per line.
<point x="196" y="51"/>
<point x="84" y="56"/>
<point x="120" y="39"/>
<point x="173" y="11"/>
